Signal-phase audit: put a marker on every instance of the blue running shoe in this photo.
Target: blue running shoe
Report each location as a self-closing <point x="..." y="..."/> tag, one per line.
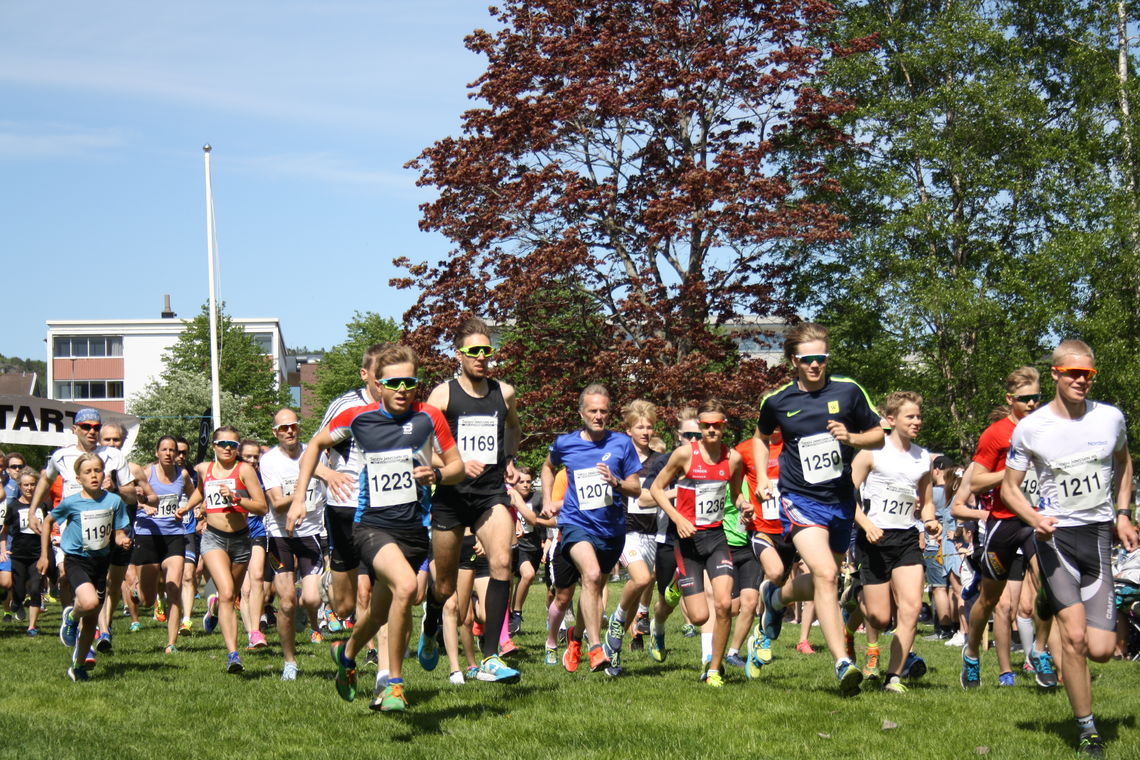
<point x="103" y="643"/>
<point x="849" y="678"/>
<point x="772" y="620"/>
<point x="735" y="660"/>
<point x="1044" y="671"/>
<point x="914" y="667"/>
<point x="612" y="641"/>
<point x="210" y="619"/>
<point x="233" y="663"/>
<point x="971" y="677"/>
<point x="77" y="673"/>
<point x="494" y="669"/>
<point x="89" y="660"/>
<point x="427" y="652"/>
<point x="1007" y="679"/>
<point x="69" y="628"/>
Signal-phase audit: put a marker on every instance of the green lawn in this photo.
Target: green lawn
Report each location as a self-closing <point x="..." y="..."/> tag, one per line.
<point x="141" y="703"/>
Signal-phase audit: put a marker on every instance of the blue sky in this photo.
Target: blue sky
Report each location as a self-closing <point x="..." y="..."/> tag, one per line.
<point x="312" y="109"/>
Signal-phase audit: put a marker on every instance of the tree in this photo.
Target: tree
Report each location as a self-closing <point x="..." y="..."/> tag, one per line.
<point x="339" y="368"/>
<point x="645" y="163"/>
<point x="173" y="405"/>
<point x="243" y="370"/>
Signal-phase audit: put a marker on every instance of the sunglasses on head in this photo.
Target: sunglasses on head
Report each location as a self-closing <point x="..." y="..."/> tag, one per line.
<point x="691" y="436"/>
<point x="1077" y="373"/>
<point x="90" y="426"/>
<point x="477" y="352"/>
<point x="1025" y="398"/>
<point x="227" y="444"/>
<point x="399" y="383"/>
<point x="812" y="358"/>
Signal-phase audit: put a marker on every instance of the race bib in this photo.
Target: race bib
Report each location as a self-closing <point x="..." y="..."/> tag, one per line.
<point x="215" y="501"/>
<point x="894" y="507"/>
<point x="95" y="525"/>
<point x="71" y="487"/>
<point x="188" y="515"/>
<point x="1081" y="484"/>
<point x="770" y="508"/>
<point x="710" y="498"/>
<point x="167" y="505"/>
<point x="592" y="489"/>
<point x="819" y="458"/>
<point x="390" y="481"/>
<point x="1030" y="487"/>
<point x="288" y="485"/>
<point x="24" y="525"/>
<point x="479" y="438"/>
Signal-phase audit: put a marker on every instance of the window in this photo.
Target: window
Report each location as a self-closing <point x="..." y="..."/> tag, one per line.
<point x="93" y="346"/>
<point x="77" y="390"/>
<point x="264" y="342"/>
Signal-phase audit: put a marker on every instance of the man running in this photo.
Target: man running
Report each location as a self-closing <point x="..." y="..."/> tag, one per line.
<point x="1079" y="450"/>
<point x="481" y="414"/>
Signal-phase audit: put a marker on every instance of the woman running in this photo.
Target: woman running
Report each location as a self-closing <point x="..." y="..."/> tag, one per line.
<point x="24" y="549"/>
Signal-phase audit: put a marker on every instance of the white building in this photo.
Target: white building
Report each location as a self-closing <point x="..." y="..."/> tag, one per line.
<point x="106" y="362"/>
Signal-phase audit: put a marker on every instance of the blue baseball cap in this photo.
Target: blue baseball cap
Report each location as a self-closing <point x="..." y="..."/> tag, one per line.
<point x="87" y="414"/>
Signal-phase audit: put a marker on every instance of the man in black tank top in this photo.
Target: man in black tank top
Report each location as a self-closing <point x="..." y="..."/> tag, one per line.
<point x="482" y="416"/>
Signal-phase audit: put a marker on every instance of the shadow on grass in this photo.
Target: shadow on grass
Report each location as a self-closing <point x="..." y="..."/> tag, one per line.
<point x="1066" y="729"/>
<point x="421" y="719"/>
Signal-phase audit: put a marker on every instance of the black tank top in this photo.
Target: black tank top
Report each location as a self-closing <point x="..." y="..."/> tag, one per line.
<point x="478" y="425"/>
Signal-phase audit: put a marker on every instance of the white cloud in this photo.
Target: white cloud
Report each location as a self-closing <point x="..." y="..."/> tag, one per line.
<point x="328" y="168"/>
<point x="28" y="141"/>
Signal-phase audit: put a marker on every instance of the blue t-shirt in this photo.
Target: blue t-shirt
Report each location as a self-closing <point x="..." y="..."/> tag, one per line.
<point x="590" y="502"/>
<point x="89" y="525"/>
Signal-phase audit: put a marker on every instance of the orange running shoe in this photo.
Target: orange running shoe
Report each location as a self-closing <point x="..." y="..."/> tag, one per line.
<point x="598" y="659"/>
<point x="572" y="655"/>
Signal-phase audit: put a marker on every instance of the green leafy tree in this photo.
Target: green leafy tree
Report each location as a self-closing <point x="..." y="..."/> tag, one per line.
<point x="173" y="406"/>
<point x="339" y="368"/>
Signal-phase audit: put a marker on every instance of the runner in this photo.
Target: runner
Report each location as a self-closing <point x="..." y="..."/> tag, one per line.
<point x="88" y="424"/>
<point x="122" y="581"/>
<point x="1008" y="546"/>
<point x="775" y="553"/>
<point x="704" y="471"/>
<point x="295" y="555"/>
<point x="23" y="550"/>
<point x="160" y="538"/>
<point x="190" y="568"/>
<point x="481" y="414"/>
<point x="255" y="587"/>
<point x="898" y="483"/>
<point x="90" y="519"/>
<point x="640" y="550"/>
<point x="395" y="437"/>
<point x="824" y="420"/>
<point x="528" y="551"/>
<point x="1079" y="450"/>
<point x="228" y="491"/>
<point x="600" y="465"/>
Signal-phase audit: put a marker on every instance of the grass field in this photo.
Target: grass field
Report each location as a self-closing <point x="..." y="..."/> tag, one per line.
<point x="143" y="704"/>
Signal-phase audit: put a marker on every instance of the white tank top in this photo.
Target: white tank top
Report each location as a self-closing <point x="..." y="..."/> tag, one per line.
<point x="892" y="486"/>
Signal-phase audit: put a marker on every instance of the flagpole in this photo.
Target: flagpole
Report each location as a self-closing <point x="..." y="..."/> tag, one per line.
<point x="215" y="392"/>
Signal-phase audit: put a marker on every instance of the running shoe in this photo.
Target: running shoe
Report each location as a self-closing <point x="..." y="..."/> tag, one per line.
<point x="514" y="623"/>
<point x="103" y="643"/>
<point x="270" y="615"/>
<point x="335" y="626"/>
<point x="508" y="647"/>
<point x="1007" y="679"/>
<point x="315" y="637"/>
<point x="494" y="669"/>
<point x="598" y="659"/>
<point x="1045" y="673"/>
<point x="714" y="678"/>
<point x="382" y="679"/>
<point x="688" y="630"/>
<point x="372" y="657"/>
<point x="427" y="651"/>
<point x="289" y="672"/>
<point x="76" y="673"/>
<point x="233" y="663"/>
<point x="550" y="657"/>
<point x="612" y="641"/>
<point x="914" y="667"/>
<point x="345" y="673"/>
<point x="656" y="643"/>
<point x="392" y="699"/>
<point x="957" y="640"/>
<point x="20" y="613"/>
<point x="89" y="660"/>
<point x="170" y="649"/>
<point x="849" y="678"/>
<point x="641" y="625"/>
<point x="562" y="633"/>
<point x="572" y="656"/>
<point x="1091" y="745"/>
<point x="257" y="640"/>
<point x="210" y="619"/>
<point x="772" y="620"/>
<point x="672" y="593"/>
<point x="33" y="631"/>
<point x="472" y="673"/>
<point x="895" y="686"/>
<point x="186" y="626"/>
<point x="871" y="665"/>
<point x="69" y="628"/>
<point x="764" y="651"/>
<point x="804" y="647"/>
<point x="134" y="627"/>
<point x="159" y="611"/>
<point x="7" y="617"/>
<point x="1027" y="667"/>
<point x="614" y="668"/>
<point x="735" y="660"/>
<point x="971" y="677"/>
<point x="456" y="678"/>
<point x="637" y="643"/>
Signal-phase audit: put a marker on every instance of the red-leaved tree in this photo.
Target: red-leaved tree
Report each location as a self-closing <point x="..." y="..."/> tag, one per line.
<point x="627" y="191"/>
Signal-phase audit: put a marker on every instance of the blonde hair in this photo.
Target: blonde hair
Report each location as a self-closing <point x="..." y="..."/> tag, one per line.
<point x="87" y="457"/>
<point x="895" y="401"/>
<point x="1071" y="347"/>
<point x="638" y="409"/>
<point x="804" y="332"/>
<point x="1021" y="377"/>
